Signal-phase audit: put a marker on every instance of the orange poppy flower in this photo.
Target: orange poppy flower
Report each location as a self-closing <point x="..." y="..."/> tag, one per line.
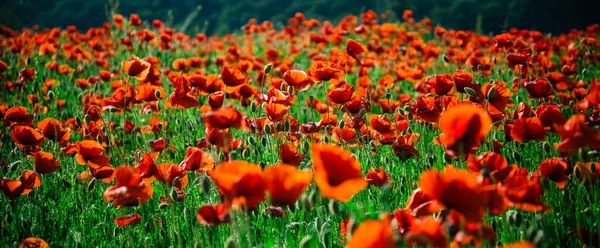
<point x="355" y="48"/>
<point x="18" y="115"/>
<point x="524" y="193"/>
<point x="523" y="111"/>
<point x="53" y="130"/>
<point x="26" y="136"/>
<point x="440" y="84"/>
<point x="213" y="215"/>
<point x="453" y="189"/>
<point x="122" y="97"/>
<point x="377" y="177"/>
<point x="232" y="77"/>
<point x="88" y="150"/>
<point x="289" y="154"/>
<point x="380" y="123"/>
<point x="23" y="185"/>
<point x="130" y="219"/>
<point x="146" y="166"/>
<point x="32" y="242"/>
<point x="575" y="134"/>
<point x="241" y="183"/>
<point x="463" y="127"/>
<point x="404" y="148"/>
<point x="526" y="129"/>
<point x="549" y="114"/>
<point x="224" y="117"/>
<point x="340" y="94"/>
<point x="276" y="111"/>
<point x="493" y="163"/>
<point x="149" y="93"/>
<point x="337" y="174"/>
<point x="298" y="79"/>
<point x="325" y="71"/>
<point x="118" y="20"/>
<point x="136" y="67"/>
<point x="426" y="232"/>
<point x="45" y="163"/>
<point x="285" y="183"/>
<point x="373" y="234"/>
<point x="554" y="169"/>
<point x="194" y="160"/>
<point x="215" y="99"/>
<point x="464" y="79"/>
<point x="129" y="190"/>
<point x="168" y="172"/>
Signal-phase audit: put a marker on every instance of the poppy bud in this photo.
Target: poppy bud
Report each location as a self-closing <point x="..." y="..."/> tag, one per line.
<point x="470" y="91"/>
<point x="157" y="94"/>
<point x="277" y="126"/>
<point x="313" y="199"/>
<point x="547" y="147"/>
<point x="491" y="93"/>
<point x="287" y="126"/>
<point x="253" y="107"/>
<point x="99" y="139"/>
<point x="174" y="193"/>
<point x="268" y="68"/>
<point x="306" y="146"/>
<point x="388" y="96"/>
<point x="245" y="153"/>
<point x="264" y="141"/>
<point x="290" y="90"/>
<point x="206" y="184"/>
<point x="309" y="241"/>
<point x="159" y="126"/>
<point x="283" y="86"/>
<point x="495" y="60"/>
<point x="251" y="140"/>
<point x="514" y="218"/>
<point x="362" y="113"/>
<point x="177" y="121"/>
<point x="50" y="95"/>
<point x="267" y="129"/>
<point x="446" y="59"/>
<point x="341" y="124"/>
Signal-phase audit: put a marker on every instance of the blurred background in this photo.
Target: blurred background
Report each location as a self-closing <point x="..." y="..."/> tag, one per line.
<point x="225" y="16"/>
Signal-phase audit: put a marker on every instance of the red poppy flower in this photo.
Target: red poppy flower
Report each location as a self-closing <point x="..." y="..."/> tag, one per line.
<point x="554" y="169"/>
<point x="26" y="136"/>
<point x="493" y="163"/>
<point x="377" y="177"/>
<point x="224" y="117"/>
<point x="549" y="114"/>
<point x="215" y="99"/>
<point x="526" y="129"/>
<point x="45" y="163"/>
<point x="136" y="67"/>
<point x="355" y="48"/>
<point x="538" y="88"/>
<point x="337" y="174"/>
<point x="18" y="115"/>
<point x="23" y="185"/>
<point x="146" y="166"/>
<point x="129" y="190"/>
<point x="276" y="111"/>
<point x="298" y="79"/>
<point x="213" y="215"/>
<point x="340" y="94"/>
<point x="130" y="219"/>
<point x="32" y="242"/>
<point x="232" y="77"/>
<point x="285" y="183"/>
<point x="194" y="160"/>
<point x="241" y="183"/>
<point x="122" y="97"/>
<point x="524" y="193"/>
<point x="440" y="84"/>
<point x="373" y="233"/>
<point x="575" y="134"/>
<point x="426" y="232"/>
<point x="325" y="71"/>
<point x="289" y="154"/>
<point x="463" y="127"/>
<point x="53" y="130"/>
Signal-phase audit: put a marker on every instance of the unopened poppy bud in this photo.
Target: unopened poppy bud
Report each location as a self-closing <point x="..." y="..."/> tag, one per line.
<point x="388" y="96"/>
<point x="50" y="95"/>
<point x="470" y="91"/>
<point x="312" y="99"/>
<point x="283" y="87"/>
<point x="306" y="146"/>
<point x="593" y="168"/>
<point x="264" y="141"/>
<point x="206" y="184"/>
<point x="113" y="109"/>
<point x="251" y="140"/>
<point x="333" y="207"/>
<point x="341" y="124"/>
<point x="78" y="121"/>
<point x="92" y="184"/>
<point x="495" y="60"/>
<point x="309" y="241"/>
<point x="268" y="68"/>
<point x="99" y="139"/>
<point x="177" y="121"/>
<point x="174" y="194"/>
<point x="267" y="129"/>
<point x="230" y="242"/>
<point x="290" y="90"/>
<point x="287" y="126"/>
<point x="253" y="107"/>
<point x="277" y="125"/>
<point x="313" y="199"/>
<point x="245" y="153"/>
<point x="157" y="94"/>
<point x="160" y="126"/>
<point x="446" y="59"/>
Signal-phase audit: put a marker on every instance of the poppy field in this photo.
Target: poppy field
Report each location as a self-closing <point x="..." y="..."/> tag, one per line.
<point x="373" y="131"/>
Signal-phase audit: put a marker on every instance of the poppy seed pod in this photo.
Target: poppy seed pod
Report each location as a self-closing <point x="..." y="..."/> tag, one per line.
<point x="446" y="59"/>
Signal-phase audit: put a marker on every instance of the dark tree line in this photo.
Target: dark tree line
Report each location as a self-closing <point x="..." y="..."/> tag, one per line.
<point x="222" y="16"/>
